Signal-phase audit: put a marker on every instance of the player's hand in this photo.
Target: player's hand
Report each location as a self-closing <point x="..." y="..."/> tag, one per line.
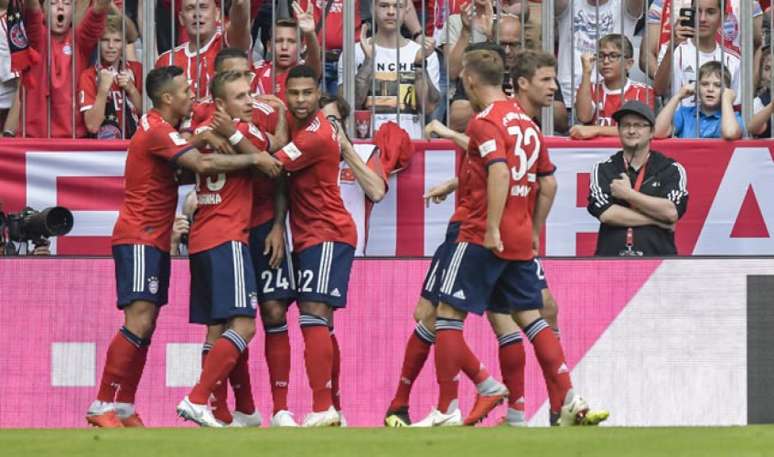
<point x="536" y="244"/>
<point x="729" y="95"/>
<point x="218" y="143"/>
<point x="125" y="80"/>
<point x="621" y="187"/>
<point x="583" y="132"/>
<point x="687" y="90"/>
<point x="438" y="194"/>
<point x="273" y="101"/>
<point x="267" y="164"/>
<point x="274" y="245"/>
<point x="587" y="62"/>
<point x="367" y="44"/>
<point x="106" y="78"/>
<point x="305" y="19"/>
<point x="492" y="239"/>
<point x="223" y="124"/>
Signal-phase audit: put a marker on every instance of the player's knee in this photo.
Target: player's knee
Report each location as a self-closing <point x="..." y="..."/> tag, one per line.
<point x="550" y="311"/>
<point x="244" y="326"/>
<point x="315" y="309"/>
<point x="449" y="312"/>
<point x="214" y="332"/>
<point x="273" y="313"/>
<point x="502" y="324"/>
<point x="424" y="310"/>
<point x="141" y="319"/>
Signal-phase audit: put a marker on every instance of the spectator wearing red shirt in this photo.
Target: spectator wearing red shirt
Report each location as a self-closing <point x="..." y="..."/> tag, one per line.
<point x="59" y="79"/>
<point x="597" y="101"/>
<point x="102" y="87"/>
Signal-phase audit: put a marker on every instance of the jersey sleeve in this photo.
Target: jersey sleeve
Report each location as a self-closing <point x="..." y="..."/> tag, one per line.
<point x="168" y="144"/>
<point x="675" y="187"/>
<point x="599" y="191"/>
<point x="302" y="152"/>
<point x="87" y="90"/>
<point x="254" y="135"/>
<point x="487" y="141"/>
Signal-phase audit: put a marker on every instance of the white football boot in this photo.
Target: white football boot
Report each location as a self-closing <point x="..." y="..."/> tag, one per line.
<point x="201" y="414"/>
<point x="283" y="418"/>
<point x="246" y="420"/>
<point x="327" y="418"/>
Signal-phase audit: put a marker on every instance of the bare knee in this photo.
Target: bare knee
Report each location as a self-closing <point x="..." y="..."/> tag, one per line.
<point x="244" y="326"/>
<point x="315" y="309"/>
<point x="502" y="324"/>
<point x="273" y="313"/>
<point x="214" y="332"/>
<point x="550" y="311"/>
<point x="424" y="311"/>
<point x="446" y="311"/>
<point x="140" y="318"/>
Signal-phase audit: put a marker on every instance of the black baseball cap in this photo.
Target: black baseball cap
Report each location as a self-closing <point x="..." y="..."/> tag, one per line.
<point x="638" y="108"/>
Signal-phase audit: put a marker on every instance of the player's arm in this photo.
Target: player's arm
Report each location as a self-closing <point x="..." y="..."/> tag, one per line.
<point x="280" y="137"/>
<point x="244" y="141"/>
<point x="94" y="112"/>
<point x="438" y="193"/>
<point x="208" y="164"/>
<point x="238" y="30"/>
<point x="274" y="246"/>
<point x="304" y="151"/>
<point x="306" y="25"/>
<point x="372" y="184"/>
<point x="442" y="131"/>
<point x="490" y="145"/>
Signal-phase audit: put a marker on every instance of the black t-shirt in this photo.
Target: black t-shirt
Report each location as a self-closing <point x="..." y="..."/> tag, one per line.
<point x="664" y="178"/>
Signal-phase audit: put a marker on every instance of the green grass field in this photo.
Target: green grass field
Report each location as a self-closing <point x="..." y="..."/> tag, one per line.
<point x="755" y="441"/>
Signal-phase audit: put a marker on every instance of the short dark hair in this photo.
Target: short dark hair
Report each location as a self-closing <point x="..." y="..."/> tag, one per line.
<point x="713" y="67"/>
<point x="158" y="81"/>
<point x="527" y="63"/>
<point x="288" y="22"/>
<point x="621" y="41"/>
<point x="341" y="104"/>
<point x="218" y="83"/>
<point x="228" y="53"/>
<point x="301" y="71"/>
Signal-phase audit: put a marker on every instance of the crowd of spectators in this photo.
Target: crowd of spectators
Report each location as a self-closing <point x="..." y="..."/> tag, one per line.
<point x="71" y="68"/>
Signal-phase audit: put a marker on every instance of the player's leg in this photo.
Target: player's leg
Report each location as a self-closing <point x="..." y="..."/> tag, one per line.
<point x="233" y="299"/>
<point x="219" y="399"/>
<point x="550" y="310"/>
<point x="276" y="290"/>
<point x="322" y="281"/>
<point x="512" y="362"/>
<point x="142" y="282"/>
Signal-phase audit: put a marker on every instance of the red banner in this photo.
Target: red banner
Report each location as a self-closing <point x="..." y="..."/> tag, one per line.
<point x="730" y="210"/>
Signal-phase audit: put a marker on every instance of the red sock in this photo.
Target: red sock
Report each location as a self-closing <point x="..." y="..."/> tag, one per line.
<point x="512" y="361"/>
<point x="118" y="371"/>
<point x="240" y="383"/>
<point x="218" y="364"/>
<point x="549" y="353"/>
<point x="277" y="350"/>
<point x="472" y="367"/>
<point x="335" y="372"/>
<point x="219" y="397"/>
<point x="449" y="346"/>
<point x="414" y="359"/>
<point x="318" y="358"/>
<point x="127" y="393"/>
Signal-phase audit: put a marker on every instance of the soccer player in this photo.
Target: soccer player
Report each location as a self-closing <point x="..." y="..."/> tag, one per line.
<point x="491" y="264"/>
<point x="223" y="283"/>
<point x="324" y="234"/>
<point x="197" y="56"/>
<point x="141" y="237"/>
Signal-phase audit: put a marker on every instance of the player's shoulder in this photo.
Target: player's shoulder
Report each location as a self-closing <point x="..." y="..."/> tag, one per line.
<point x="264" y="108"/>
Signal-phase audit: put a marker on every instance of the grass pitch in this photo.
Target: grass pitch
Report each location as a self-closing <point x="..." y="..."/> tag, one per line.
<point x="757" y="441"/>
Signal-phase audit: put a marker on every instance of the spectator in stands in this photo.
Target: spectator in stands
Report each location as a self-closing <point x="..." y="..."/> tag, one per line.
<point x="637" y="194"/>
<point x="197" y="56"/>
<point x="597" y="102"/>
<point x="182" y="226"/>
<point x="102" y="88"/>
<point x="717" y="118"/>
<point x="678" y="66"/>
<point x="8" y="78"/>
<point x="659" y="29"/>
<point x="287" y="51"/>
<point x="52" y="98"/>
<point x="401" y="85"/>
<point x="510" y="43"/>
<point x="579" y="30"/>
<point x="760" y="124"/>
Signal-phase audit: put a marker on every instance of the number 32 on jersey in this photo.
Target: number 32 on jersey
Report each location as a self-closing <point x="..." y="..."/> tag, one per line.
<point x="526" y="147"/>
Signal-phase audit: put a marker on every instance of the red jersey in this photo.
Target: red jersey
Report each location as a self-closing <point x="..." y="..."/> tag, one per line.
<point x="224" y="201"/>
<point x="334" y="22"/>
<point x="503" y="133"/>
<point x="261" y="83"/>
<point x="608" y="101"/>
<point x="59" y="92"/>
<point x="150" y="197"/>
<point x="184" y="58"/>
<point x="264" y="116"/>
<point x="87" y="92"/>
<point x="317" y="213"/>
<point x="263" y="186"/>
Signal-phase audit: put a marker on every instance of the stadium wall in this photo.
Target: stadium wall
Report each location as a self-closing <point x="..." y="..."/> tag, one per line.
<point x="728" y="211"/>
<point x="657" y="342"/>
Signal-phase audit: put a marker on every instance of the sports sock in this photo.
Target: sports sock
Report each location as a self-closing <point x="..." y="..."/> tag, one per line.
<point x="336" y="370"/>
<point x="512" y="362"/>
<point x="417" y="350"/>
<point x="277" y="350"/>
<point x="318" y="358"/>
<point x="449" y="347"/>
<point x="120" y="364"/>
<point x="219" y="398"/>
<point x="240" y="383"/>
<point x="127" y="394"/>
<point x="218" y="364"/>
<point x="551" y="358"/>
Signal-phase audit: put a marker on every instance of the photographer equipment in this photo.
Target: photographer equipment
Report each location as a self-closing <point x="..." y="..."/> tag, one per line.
<point x="36" y="226"/>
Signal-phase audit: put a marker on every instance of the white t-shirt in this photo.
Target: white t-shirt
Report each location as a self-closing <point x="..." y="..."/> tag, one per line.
<point x="583" y="36"/>
<point x="393" y="84"/>
<point x="7" y="77"/>
<point x="684" y="68"/>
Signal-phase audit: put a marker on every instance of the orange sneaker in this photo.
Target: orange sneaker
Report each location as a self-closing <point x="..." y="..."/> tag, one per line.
<point x="105" y="420"/>
<point x="132" y="421"/>
<point x="484" y="405"/>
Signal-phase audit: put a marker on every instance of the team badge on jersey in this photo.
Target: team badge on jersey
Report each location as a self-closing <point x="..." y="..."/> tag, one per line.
<point x="153" y="284"/>
<point x="254" y="300"/>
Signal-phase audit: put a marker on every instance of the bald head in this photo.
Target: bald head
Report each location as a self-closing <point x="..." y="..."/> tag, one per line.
<point x="510" y="38"/>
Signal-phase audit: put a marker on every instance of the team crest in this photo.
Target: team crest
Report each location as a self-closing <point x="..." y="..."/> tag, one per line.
<point x="67" y="49"/>
<point x="17" y="35"/>
<point x="153" y="285"/>
<point x="253" y="300"/>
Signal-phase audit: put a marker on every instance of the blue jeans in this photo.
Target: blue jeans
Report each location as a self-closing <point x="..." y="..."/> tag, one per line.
<point x="331" y="78"/>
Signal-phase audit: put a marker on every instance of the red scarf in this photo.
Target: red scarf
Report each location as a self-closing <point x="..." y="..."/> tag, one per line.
<point x="22" y="55"/>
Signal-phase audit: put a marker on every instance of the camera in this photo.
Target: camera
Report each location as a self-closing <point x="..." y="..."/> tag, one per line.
<point x="35" y="226"/>
<point x="687" y="19"/>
